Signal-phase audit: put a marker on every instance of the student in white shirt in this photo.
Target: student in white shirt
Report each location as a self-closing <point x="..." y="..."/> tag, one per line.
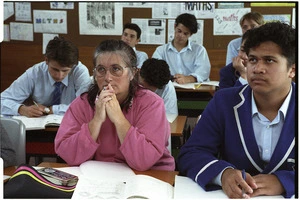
<point x="248" y="21"/>
<point x="131" y="35"/>
<point x="188" y="61"/>
<point x="155" y="76"/>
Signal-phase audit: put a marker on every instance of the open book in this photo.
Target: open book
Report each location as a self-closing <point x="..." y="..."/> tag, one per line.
<point x="108" y="180"/>
<point x="195" y="85"/>
<point x="36" y="123"/>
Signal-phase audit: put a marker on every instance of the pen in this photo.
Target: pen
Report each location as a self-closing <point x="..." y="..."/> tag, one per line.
<point x="244" y="177"/>
<point x="35" y="104"/>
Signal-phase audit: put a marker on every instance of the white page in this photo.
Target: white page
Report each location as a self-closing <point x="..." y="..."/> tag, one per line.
<point x="103" y="170"/>
<point x="140" y="186"/>
<point x="186" y="188"/>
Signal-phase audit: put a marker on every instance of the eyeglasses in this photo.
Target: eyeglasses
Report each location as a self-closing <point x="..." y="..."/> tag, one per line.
<point x="115" y="70"/>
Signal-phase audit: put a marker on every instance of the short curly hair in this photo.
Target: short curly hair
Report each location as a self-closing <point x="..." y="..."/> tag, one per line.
<point x="155" y="72"/>
<point x="280" y="33"/>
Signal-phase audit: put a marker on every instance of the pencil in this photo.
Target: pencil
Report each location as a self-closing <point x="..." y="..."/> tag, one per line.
<point x="35" y="104"/>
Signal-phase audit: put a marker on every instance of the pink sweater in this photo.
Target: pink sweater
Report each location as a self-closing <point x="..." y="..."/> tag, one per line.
<point x="144" y="147"/>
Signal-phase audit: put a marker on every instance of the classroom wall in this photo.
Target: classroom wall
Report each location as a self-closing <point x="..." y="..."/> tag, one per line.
<point x="17" y="56"/>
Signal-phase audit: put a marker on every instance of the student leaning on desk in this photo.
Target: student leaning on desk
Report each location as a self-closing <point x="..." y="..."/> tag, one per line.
<point x="50" y="85"/>
<point x="188" y="61"/>
<point x="116" y="120"/>
<point x="251" y="127"/>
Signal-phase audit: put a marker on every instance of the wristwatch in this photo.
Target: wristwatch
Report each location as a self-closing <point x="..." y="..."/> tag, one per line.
<point x="46" y="110"/>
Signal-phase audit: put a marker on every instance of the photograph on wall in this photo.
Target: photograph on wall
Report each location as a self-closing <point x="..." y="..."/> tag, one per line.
<point x="50" y="21"/>
<point x="100" y="18"/>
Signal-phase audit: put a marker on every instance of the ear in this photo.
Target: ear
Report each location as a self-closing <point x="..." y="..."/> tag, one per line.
<point x="46" y="59"/>
<point x="292" y="71"/>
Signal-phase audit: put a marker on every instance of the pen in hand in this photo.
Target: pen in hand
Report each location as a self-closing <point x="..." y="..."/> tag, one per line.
<point x="244" y="177"/>
<point x="36" y="104"/>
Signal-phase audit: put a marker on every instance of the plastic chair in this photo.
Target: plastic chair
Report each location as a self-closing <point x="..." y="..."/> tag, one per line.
<point x="17" y="133"/>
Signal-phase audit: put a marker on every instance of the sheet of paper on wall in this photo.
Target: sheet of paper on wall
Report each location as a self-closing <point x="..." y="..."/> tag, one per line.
<point x="46" y="38"/>
<point x="23" y="11"/>
<point x="21" y="31"/>
<point x="8" y="9"/>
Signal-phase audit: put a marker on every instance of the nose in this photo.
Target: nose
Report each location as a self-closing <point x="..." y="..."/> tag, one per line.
<point x="259" y="68"/>
<point x="108" y="76"/>
<point x="60" y="75"/>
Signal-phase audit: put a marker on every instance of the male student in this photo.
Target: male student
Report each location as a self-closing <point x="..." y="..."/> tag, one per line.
<point x="49" y="86"/>
<point x="188" y="61"/>
<point x="235" y="74"/>
<point x="248" y="21"/>
<point x="155" y="76"/>
<point x="131" y="35"/>
<point x="250" y="130"/>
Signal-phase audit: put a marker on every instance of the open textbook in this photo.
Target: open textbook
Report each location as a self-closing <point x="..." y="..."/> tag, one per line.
<point x="109" y="180"/>
<point x="195" y="85"/>
<point x="36" y="123"/>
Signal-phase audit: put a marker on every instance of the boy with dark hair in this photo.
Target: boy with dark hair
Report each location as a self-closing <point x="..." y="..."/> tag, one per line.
<point x="131" y="35"/>
<point x="50" y="85"/>
<point x="244" y="142"/>
<point x="188" y="61"/>
<point x="155" y="76"/>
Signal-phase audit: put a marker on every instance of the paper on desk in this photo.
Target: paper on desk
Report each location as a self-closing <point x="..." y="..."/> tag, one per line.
<point x="102" y="170"/>
<point x="186" y="188"/>
<point x="195" y="85"/>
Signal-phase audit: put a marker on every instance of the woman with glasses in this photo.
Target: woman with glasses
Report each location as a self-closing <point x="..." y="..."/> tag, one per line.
<point x="116" y="120"/>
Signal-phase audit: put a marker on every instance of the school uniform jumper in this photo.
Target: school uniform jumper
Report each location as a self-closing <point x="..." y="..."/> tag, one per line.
<point x="224" y="137"/>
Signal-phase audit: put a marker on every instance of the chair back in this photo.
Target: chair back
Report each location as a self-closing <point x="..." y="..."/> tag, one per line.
<point x="17" y="134"/>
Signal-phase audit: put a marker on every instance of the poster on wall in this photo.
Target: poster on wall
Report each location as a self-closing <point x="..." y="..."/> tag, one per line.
<point x="172" y="10"/>
<point x="21" y="31"/>
<point x="100" y="18"/>
<point x="23" y="11"/>
<point x="61" y="5"/>
<point x="197" y="37"/>
<point x="153" y="30"/>
<point x="8" y="9"/>
<point x="50" y="21"/>
<point x="282" y="18"/>
<point x="227" y="21"/>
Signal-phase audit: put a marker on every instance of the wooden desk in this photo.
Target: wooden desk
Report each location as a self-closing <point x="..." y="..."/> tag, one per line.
<point x="177" y="126"/>
<point x="191" y="102"/>
<point x="167" y="176"/>
<point x="202" y="89"/>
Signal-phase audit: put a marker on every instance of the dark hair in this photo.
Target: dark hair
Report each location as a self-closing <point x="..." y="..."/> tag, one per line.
<point x="155" y="72"/>
<point x="189" y="21"/>
<point x="134" y="27"/>
<point x="129" y="57"/>
<point x="255" y="16"/>
<point x="62" y="51"/>
<point x="246" y="35"/>
<point x="280" y="33"/>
